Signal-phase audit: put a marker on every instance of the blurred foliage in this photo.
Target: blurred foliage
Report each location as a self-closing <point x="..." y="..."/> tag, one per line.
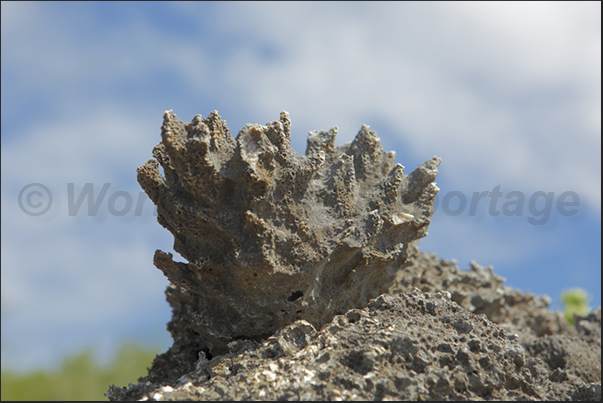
<point x="575" y="301"/>
<point x="80" y="377"/>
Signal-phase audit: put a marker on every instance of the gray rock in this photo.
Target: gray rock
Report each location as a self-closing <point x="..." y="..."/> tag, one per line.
<point x="286" y="256"/>
<point x="481" y="291"/>
<point x="272" y="236"/>
<point x="589" y="326"/>
<point x="417" y="346"/>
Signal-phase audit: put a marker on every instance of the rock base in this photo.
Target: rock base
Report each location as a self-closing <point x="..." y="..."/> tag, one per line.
<point x="439" y="334"/>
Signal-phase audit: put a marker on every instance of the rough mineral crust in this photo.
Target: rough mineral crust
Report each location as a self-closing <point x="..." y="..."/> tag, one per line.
<point x="272" y="236"/>
<point x="415" y="346"/>
<point x="304" y="236"/>
<point x="481" y="291"/>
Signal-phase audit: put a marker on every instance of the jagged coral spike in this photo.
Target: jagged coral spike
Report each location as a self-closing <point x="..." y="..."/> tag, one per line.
<point x="279" y="132"/>
<point x="391" y="183"/>
<point x="214" y="122"/>
<point x="252" y="166"/>
<point x="200" y="132"/>
<point x="342" y="185"/>
<point x="221" y="143"/>
<point x="173" y="131"/>
<point x="275" y="133"/>
<point x="178" y="273"/>
<point x="286" y="122"/>
<point x="197" y="119"/>
<point x="193" y="154"/>
<point x="151" y="181"/>
<point x="322" y="141"/>
<point x="367" y="141"/>
<point x="368" y="153"/>
<point x="420" y="178"/>
<point x="425" y="201"/>
<point x="221" y="139"/>
<point x="174" y="135"/>
<point x="160" y="154"/>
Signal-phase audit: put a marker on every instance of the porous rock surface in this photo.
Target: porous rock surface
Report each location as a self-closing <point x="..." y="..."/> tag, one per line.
<point x="435" y="332"/>
<point x="405" y="345"/>
<point x="272" y="236"/>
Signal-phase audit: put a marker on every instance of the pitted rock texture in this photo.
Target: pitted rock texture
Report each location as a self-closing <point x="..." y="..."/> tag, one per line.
<point x="272" y="236"/>
<point x="481" y="291"/>
<point x="326" y="232"/>
<point x="416" y="346"/>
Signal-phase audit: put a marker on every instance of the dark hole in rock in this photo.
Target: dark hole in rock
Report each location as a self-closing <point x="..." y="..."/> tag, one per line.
<point x="296" y="295"/>
<point x="358" y="362"/>
<point x="208" y="354"/>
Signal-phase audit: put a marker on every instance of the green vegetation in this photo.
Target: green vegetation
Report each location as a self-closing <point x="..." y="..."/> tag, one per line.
<point x="80" y="377"/>
<point x="574" y="301"/>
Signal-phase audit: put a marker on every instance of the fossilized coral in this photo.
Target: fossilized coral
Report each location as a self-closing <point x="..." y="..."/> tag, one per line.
<point x="272" y="236"/>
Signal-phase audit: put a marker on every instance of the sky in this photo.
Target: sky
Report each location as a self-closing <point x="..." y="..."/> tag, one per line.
<point x="507" y="94"/>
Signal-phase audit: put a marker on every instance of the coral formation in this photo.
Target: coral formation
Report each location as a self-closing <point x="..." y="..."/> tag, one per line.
<point x="303" y="282"/>
<point x="272" y="236"/>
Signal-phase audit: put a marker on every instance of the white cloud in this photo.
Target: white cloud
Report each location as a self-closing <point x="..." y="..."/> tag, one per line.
<point x="87" y="148"/>
<point x="505" y="92"/>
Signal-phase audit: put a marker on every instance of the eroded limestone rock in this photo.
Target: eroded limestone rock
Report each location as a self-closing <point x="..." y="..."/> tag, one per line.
<point x="481" y="291"/>
<point x="300" y="244"/>
<point x="272" y="236"/>
<point x="416" y="346"/>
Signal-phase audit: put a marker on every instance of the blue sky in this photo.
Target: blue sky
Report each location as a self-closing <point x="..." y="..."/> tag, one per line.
<point x="508" y="95"/>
